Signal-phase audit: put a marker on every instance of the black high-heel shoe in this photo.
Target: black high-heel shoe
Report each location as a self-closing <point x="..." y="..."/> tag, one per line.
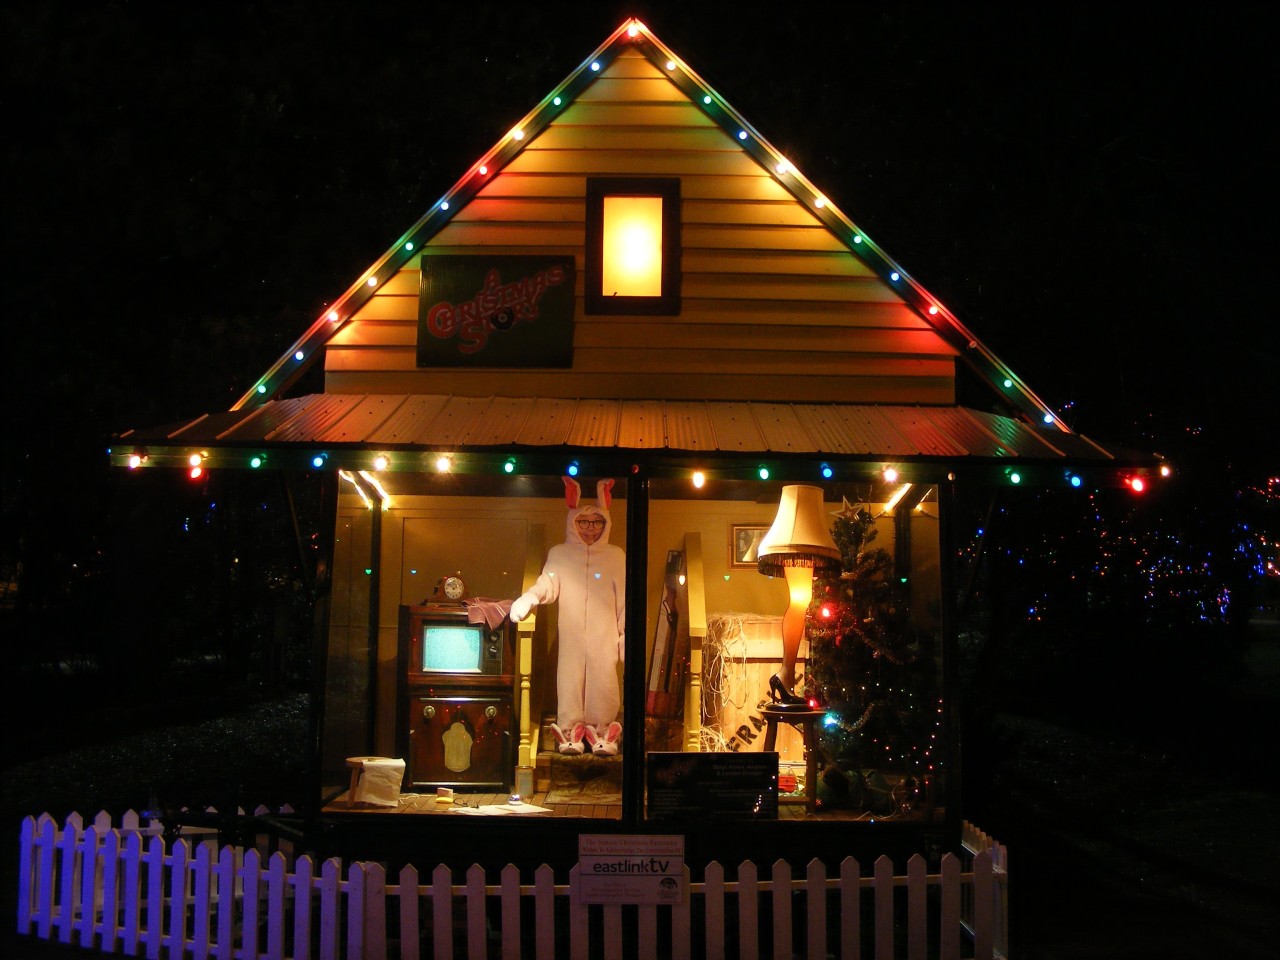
<point x="784" y="699"/>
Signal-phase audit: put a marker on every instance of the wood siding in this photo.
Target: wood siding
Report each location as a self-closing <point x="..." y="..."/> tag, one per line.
<point x="773" y="306"/>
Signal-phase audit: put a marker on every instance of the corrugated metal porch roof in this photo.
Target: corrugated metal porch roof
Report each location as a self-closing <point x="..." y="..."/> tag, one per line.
<point x="462" y="423"/>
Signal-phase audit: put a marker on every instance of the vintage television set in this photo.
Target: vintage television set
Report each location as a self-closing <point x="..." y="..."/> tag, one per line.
<point x="456" y="696"/>
<point x="446" y="648"/>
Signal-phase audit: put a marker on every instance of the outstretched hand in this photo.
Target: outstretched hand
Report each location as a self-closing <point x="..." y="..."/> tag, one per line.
<point x="520" y="608"/>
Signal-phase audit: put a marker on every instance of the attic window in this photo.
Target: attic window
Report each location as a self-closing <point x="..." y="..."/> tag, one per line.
<point x="633" y="246"/>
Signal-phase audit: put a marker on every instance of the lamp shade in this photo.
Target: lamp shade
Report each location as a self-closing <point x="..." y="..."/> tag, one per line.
<point x="799" y="536"/>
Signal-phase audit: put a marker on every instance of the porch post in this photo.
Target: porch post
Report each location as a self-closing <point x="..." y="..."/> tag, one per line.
<point x="634" y="679"/>
<point x="527" y="748"/>
<point x="322" y="599"/>
<point x="694" y="582"/>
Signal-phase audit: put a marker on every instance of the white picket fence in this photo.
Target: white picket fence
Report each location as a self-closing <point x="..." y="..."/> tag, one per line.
<point x="123" y="889"/>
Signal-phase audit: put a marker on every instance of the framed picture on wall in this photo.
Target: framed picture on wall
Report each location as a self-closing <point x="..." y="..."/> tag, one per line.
<point x="744" y="541"/>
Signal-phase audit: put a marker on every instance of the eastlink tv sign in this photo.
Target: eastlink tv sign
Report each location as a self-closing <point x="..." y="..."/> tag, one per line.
<point x="615" y="868"/>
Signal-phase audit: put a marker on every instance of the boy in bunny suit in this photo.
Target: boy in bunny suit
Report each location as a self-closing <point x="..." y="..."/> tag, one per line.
<point x="587" y="574"/>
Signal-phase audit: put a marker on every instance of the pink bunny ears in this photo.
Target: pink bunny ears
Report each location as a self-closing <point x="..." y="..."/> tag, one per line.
<point x="573" y="492"/>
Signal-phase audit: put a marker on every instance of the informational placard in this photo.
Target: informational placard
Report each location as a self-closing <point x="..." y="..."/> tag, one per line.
<point x="726" y="786"/>
<point x="629" y="868"/>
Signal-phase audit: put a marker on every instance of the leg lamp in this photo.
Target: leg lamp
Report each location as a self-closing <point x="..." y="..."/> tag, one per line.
<point x="797" y="545"/>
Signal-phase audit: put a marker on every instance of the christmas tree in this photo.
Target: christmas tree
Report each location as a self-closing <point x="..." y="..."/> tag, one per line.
<point x="870" y="670"/>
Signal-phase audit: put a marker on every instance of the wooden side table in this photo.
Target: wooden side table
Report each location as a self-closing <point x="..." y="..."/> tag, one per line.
<point x="806" y="721"/>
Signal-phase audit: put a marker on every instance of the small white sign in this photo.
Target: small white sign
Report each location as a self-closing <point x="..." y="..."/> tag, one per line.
<point x="626" y="868"/>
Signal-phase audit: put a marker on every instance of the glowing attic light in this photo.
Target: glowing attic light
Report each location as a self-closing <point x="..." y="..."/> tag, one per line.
<point x="135" y="462"/>
<point x="595" y="66"/>
<point x="895" y="276"/>
<point x="1007" y="383"/>
<point x="699" y="479"/>
<point x="707" y="99"/>
<point x="826" y="471"/>
<point x="572" y="468"/>
<point x="556" y="101"/>
<point x="195" y="459"/>
<point x="372" y="281"/>
<point x="1136" y="484"/>
<point x="857" y="238"/>
<point x="319" y="459"/>
<point x="510" y="465"/>
<point x="517" y="134"/>
<point x="742" y="134"/>
<point x="1074" y="479"/>
<point x="257" y="460"/>
<point x="299" y="355"/>
<point x="933" y="309"/>
<point x="333" y="316"/>
<point x="1166" y="470"/>
<point x="408" y="245"/>
<point x="380" y="462"/>
<point x="890" y="475"/>
<point x="484" y="169"/>
<point x="783" y="167"/>
<point x="262" y="388"/>
<point x="444" y="463"/>
<point x="762" y="472"/>
<point x="820" y="202"/>
<point x="671" y="64"/>
<point x="632" y="245"/>
<point x="633" y="30"/>
<point x="1048" y="417"/>
<point x="1014" y="477"/>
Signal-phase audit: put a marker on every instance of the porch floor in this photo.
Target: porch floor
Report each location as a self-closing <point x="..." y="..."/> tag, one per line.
<point x="424" y="804"/>
<point x="586" y="787"/>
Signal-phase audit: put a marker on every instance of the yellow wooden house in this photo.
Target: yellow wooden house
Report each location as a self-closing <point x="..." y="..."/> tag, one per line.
<point x="632" y="285"/>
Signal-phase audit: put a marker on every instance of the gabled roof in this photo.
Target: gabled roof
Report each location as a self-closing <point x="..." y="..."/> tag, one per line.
<point x="347" y="431"/>
<point x="633" y="35"/>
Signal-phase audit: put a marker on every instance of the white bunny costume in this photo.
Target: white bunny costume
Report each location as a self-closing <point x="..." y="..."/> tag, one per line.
<point x="587" y="574"/>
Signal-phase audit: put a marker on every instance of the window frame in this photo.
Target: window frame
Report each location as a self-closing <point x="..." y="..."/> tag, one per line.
<point x="666" y="303"/>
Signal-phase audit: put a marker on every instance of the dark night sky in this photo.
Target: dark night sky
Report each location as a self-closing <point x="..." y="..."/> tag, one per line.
<point x="1085" y="187"/>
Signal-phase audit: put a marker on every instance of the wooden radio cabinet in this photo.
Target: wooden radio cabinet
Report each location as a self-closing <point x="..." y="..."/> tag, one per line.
<point x="460" y="740"/>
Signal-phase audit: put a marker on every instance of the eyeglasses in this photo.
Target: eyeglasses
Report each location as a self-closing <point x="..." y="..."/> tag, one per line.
<point x="596" y="523"/>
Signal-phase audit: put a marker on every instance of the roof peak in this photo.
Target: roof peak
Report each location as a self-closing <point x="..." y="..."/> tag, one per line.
<point x="634" y="36"/>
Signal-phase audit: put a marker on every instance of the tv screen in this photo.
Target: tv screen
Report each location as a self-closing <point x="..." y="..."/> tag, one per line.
<point x="451" y="648"/>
